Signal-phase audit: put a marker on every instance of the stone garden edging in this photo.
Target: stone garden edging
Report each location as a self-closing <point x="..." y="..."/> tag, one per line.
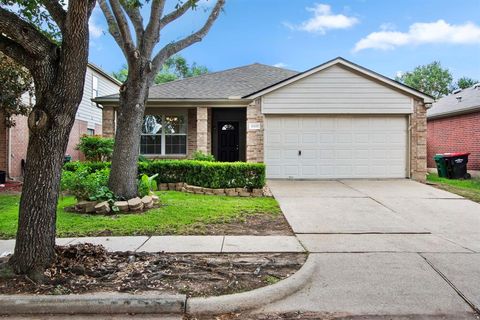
<point x="231" y="192"/>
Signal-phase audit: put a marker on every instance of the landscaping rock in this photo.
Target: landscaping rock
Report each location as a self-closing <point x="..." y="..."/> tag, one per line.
<point x="155" y="199"/>
<point x="208" y="191"/>
<point x="219" y="192"/>
<point x="147" y="202"/>
<point x="244" y="194"/>
<point x="163" y="187"/>
<point x="172" y="186"/>
<point x="179" y="186"/>
<point x="197" y="190"/>
<point x="231" y="192"/>
<point x="257" y="193"/>
<point x="102" y="207"/>
<point x="135" y="204"/>
<point x="267" y="192"/>
<point x="190" y="189"/>
<point x="121" y="205"/>
<point x="86" y="206"/>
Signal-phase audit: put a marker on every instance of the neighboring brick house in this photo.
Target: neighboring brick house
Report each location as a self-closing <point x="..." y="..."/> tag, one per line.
<point x="454" y="126"/>
<point x="14" y="141"/>
<point x="337" y="120"/>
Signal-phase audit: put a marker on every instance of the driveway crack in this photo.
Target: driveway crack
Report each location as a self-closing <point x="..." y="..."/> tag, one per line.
<point x="444" y="277"/>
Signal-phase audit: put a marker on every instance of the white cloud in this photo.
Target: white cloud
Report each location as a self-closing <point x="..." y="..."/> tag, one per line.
<point x="323" y="19"/>
<point x="280" y="65"/>
<point x="95" y="29"/>
<point x="421" y="33"/>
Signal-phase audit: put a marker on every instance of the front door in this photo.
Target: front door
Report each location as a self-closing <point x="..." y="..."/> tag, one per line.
<point x="228" y="141"/>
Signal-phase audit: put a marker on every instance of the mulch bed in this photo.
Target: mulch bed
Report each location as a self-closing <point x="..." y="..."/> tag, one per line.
<point x="11" y="187"/>
<point x="87" y="268"/>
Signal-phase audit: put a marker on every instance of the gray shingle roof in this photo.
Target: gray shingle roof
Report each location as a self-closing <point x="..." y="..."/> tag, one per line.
<point x="236" y="82"/>
<point x="462" y="102"/>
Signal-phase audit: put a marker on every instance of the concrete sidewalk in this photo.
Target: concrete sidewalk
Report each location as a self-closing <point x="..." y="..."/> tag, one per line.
<point x="183" y="244"/>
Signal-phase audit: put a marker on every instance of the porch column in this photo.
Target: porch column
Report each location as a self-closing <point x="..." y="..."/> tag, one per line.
<point x="108" y="122"/>
<point x="418" y="142"/>
<point x="254" y="132"/>
<point x="202" y="129"/>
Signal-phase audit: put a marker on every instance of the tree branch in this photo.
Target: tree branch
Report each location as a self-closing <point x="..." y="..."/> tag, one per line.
<point x="135" y="16"/>
<point x="24" y="34"/>
<point x="177" y="13"/>
<point x="57" y="12"/>
<point x="179" y="45"/>
<point x="123" y="27"/>
<point x="152" y="31"/>
<point x="15" y="51"/>
<point x="112" y="25"/>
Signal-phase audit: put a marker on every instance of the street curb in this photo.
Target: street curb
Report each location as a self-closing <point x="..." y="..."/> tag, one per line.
<point x="92" y="304"/>
<point x="253" y="299"/>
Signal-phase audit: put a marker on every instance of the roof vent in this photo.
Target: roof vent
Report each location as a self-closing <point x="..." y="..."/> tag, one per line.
<point x="476" y="86"/>
<point x="459" y="99"/>
<point x="457" y="91"/>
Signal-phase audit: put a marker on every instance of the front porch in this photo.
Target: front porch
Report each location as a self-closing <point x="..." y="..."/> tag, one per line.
<point x="229" y="133"/>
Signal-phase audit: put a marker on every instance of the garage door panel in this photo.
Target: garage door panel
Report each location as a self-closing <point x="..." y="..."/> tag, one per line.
<point x="335" y="146"/>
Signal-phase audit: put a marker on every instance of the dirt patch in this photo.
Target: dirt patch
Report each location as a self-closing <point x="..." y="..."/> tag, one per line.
<point x="256" y="225"/>
<point x="86" y="268"/>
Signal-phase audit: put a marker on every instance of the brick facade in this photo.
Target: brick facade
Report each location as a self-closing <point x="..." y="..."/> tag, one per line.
<point x="459" y="133"/>
<point x="255" y="136"/>
<point x="3" y="144"/>
<point x="192" y="127"/>
<point x="202" y="129"/>
<point x="418" y="142"/>
<point x="108" y="122"/>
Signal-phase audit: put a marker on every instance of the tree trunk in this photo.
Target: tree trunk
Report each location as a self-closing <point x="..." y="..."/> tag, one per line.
<point x="35" y="243"/>
<point x="124" y="171"/>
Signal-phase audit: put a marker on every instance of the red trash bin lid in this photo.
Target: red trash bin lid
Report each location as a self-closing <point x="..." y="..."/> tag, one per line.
<point x="456" y="154"/>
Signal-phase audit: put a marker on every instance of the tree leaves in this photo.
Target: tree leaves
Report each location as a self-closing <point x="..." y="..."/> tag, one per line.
<point x="15" y="80"/>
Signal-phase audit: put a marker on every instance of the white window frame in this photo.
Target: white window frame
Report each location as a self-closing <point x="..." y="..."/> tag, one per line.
<point x="94" y="86"/>
<point x="163" y="134"/>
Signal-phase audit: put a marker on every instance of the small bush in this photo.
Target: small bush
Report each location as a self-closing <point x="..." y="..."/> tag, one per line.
<point x="146" y="185"/>
<point x="200" y="156"/>
<point x="96" y="148"/>
<point x="85" y="184"/>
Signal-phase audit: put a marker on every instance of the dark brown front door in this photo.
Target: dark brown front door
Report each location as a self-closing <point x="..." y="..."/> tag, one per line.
<point x="228" y="141"/>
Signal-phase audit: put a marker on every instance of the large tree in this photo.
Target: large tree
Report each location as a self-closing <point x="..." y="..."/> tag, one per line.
<point x="138" y="43"/>
<point x="15" y="81"/>
<point x="431" y="79"/>
<point x="57" y="62"/>
<point x="175" y="67"/>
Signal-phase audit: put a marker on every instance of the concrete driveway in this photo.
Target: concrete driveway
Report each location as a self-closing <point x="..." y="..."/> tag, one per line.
<point x="388" y="248"/>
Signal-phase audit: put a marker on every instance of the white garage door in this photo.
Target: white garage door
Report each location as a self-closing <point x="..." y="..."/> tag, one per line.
<point x="330" y="147"/>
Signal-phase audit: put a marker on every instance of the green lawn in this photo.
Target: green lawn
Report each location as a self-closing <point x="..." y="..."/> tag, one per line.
<point x="469" y="189"/>
<point x="179" y="213"/>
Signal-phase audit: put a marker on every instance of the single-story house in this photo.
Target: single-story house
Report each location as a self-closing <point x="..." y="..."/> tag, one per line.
<point x="88" y="120"/>
<point x="453" y="125"/>
<point x="336" y="120"/>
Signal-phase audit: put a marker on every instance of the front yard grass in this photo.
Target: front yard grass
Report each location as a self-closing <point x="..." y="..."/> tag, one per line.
<point x="469" y="189"/>
<point x="180" y="213"/>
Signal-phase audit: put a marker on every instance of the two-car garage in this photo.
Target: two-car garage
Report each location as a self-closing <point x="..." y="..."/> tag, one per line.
<point x="336" y="146"/>
<point x="340" y="120"/>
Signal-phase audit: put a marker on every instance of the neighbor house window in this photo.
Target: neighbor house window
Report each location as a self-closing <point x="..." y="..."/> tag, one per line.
<point x="164" y="135"/>
<point x="94" y="87"/>
<point x="90" y="132"/>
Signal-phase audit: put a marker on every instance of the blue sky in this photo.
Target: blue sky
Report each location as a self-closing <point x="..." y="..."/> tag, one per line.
<point x="384" y="35"/>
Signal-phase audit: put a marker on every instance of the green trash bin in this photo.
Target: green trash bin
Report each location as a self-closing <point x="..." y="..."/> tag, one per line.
<point x="441" y="165"/>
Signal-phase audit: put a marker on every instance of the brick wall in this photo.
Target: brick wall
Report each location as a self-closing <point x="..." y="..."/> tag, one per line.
<point x="108" y="122"/>
<point x="79" y="129"/>
<point x="418" y="143"/>
<point x="3" y="144"/>
<point x="255" y="137"/>
<point x="19" y="144"/>
<point x="455" y="134"/>
<point x="192" y="132"/>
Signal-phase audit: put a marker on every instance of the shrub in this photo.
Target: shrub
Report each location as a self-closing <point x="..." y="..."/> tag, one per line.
<point x="85" y="184"/>
<point x="146" y="185"/>
<point x="199" y="173"/>
<point x="96" y="148"/>
<point x="200" y="156"/>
